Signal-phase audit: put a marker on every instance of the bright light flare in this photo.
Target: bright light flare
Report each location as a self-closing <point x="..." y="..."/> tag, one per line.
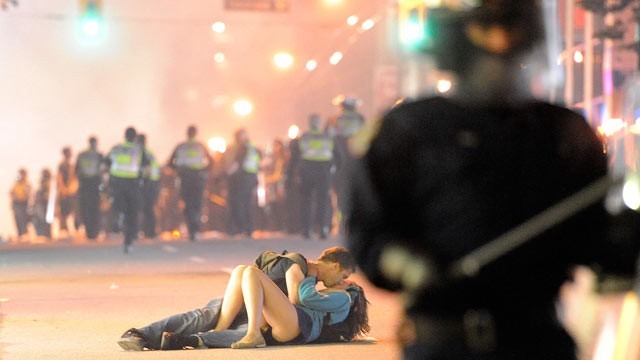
<point x="293" y="132"/>
<point x="444" y="85"/>
<point x="352" y="20"/>
<point x="219" y="27"/>
<point x="262" y="196"/>
<point x="217" y="144"/>
<point x="311" y="65"/>
<point x="243" y="107"/>
<point x="91" y="27"/>
<point x="219" y="57"/>
<point x="631" y="192"/>
<point x="578" y="57"/>
<point x="335" y="58"/>
<point x="283" y="60"/>
<point x="611" y="126"/>
<point x="368" y="24"/>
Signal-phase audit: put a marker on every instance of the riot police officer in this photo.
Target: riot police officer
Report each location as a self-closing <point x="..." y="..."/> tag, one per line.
<point x="89" y="172"/>
<point x="317" y="155"/>
<point x="126" y="162"/>
<point x="150" y="190"/>
<point x="448" y="185"/>
<point x="242" y="163"/>
<point x="192" y="161"/>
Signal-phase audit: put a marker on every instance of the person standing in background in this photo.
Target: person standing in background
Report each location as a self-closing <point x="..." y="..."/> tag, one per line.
<point x="89" y="169"/>
<point x="67" y="189"/>
<point x="343" y="127"/>
<point x="20" y="200"/>
<point x="275" y="177"/>
<point x="242" y="161"/>
<point x="150" y="190"/>
<point x="126" y="162"/>
<point x="317" y="155"/>
<point x="192" y="161"/>
<point x="41" y="205"/>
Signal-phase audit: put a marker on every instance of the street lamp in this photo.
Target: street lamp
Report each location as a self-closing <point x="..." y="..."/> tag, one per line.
<point x="243" y="107"/>
<point x="283" y="60"/>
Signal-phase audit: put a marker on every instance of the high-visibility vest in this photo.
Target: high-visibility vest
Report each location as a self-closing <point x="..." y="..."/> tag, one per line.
<point x="154" y="174"/>
<point x="251" y="162"/>
<point x="316" y="146"/>
<point x="126" y="160"/>
<point x="191" y="155"/>
<point x="349" y="123"/>
<point x="89" y="162"/>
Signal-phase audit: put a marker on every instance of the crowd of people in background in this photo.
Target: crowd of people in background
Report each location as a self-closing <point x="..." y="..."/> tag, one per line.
<point x="292" y="186"/>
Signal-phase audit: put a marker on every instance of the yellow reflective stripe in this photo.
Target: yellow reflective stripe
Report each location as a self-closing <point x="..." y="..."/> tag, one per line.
<point x="316" y="147"/>
<point x="251" y="162"/>
<point x="191" y="155"/>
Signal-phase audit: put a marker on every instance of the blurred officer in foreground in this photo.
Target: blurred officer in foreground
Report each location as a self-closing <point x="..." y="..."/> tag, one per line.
<point x="126" y="162"/>
<point x="444" y="203"/>
<point x="192" y="161"/>
<point x="89" y="171"/>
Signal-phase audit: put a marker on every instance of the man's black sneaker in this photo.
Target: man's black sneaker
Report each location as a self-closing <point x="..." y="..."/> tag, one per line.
<point x="178" y="342"/>
<point x="132" y="340"/>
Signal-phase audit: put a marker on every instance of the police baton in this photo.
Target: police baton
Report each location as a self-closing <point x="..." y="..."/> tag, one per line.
<point x="470" y="264"/>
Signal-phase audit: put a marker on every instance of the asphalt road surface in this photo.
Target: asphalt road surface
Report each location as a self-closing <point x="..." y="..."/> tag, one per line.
<point x="73" y="300"/>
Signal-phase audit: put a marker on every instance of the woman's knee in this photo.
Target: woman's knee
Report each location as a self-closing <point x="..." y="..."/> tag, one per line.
<point x="251" y="273"/>
<point x="239" y="270"/>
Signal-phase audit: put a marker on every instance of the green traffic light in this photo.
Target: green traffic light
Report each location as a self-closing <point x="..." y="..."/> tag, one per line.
<point x="91" y="26"/>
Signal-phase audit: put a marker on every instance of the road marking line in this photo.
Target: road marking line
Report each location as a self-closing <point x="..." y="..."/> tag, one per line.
<point x="170" y="249"/>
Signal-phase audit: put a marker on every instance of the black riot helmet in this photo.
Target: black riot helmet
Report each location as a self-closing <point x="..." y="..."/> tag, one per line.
<point x="449" y="28"/>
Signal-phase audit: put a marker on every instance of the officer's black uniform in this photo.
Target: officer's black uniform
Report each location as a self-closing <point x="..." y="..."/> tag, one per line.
<point x="89" y="172"/>
<point x="192" y="161"/>
<point x="444" y="177"/>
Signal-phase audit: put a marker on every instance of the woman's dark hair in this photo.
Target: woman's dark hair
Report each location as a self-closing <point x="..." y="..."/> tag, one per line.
<point x="358" y="319"/>
<point x="355" y="324"/>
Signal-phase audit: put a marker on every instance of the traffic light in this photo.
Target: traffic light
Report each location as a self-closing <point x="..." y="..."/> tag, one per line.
<point x="413" y="27"/>
<point x="91" y="22"/>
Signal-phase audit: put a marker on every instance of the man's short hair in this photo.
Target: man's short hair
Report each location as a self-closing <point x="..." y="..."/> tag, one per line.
<point x="340" y="255"/>
<point x="130" y="134"/>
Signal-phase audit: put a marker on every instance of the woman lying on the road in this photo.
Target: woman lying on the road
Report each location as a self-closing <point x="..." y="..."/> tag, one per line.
<point x="338" y="313"/>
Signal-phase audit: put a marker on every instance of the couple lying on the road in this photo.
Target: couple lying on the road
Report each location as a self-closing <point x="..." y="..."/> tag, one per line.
<point x="273" y="302"/>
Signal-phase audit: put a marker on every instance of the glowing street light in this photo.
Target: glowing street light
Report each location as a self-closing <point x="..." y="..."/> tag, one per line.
<point x="293" y="132"/>
<point x="352" y="20"/>
<point x="219" y="57"/>
<point x="444" y="85"/>
<point x="219" y="27"/>
<point x="283" y="60"/>
<point x="578" y="57"/>
<point x="335" y="58"/>
<point x="368" y="24"/>
<point x="311" y="65"/>
<point x="217" y="144"/>
<point x="243" y="107"/>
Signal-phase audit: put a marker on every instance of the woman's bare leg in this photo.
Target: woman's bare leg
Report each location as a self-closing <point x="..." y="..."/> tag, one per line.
<point x="262" y="297"/>
<point x="233" y="300"/>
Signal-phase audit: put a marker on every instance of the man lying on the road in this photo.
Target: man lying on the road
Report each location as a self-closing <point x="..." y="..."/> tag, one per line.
<point x="287" y="271"/>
